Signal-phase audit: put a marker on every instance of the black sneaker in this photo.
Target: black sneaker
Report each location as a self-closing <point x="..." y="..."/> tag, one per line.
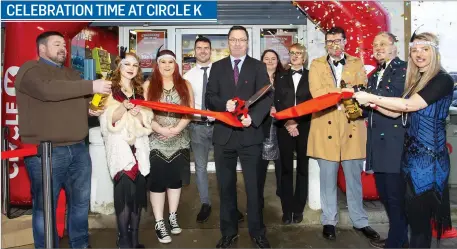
<point x="162" y="232"/>
<point x="174" y="226"/>
<point x="205" y="211"/>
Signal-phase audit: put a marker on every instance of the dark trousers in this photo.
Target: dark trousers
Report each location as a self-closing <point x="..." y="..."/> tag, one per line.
<point x="391" y="189"/>
<point x="293" y="202"/>
<point x="226" y="159"/>
<point x="263" y="169"/>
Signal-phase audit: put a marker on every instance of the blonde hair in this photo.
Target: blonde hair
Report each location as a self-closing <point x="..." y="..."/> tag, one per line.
<point x="414" y="81"/>
<point x="302" y="48"/>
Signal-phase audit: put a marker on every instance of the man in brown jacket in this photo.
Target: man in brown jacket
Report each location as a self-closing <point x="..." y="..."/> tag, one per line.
<point x="334" y="139"/>
<point x="53" y="105"/>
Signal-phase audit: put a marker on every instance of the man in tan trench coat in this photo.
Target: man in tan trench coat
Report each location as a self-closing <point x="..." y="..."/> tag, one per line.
<point x="333" y="138"/>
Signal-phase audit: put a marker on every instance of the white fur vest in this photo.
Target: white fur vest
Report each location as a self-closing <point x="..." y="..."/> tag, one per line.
<point x="125" y="132"/>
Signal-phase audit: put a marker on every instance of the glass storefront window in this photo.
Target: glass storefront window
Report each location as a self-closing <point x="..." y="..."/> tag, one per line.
<point x="279" y="40"/>
<point x="145" y="43"/>
<point x="218" y="44"/>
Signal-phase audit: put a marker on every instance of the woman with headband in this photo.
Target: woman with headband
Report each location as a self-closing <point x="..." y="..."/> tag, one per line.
<point x="169" y="142"/>
<point x="425" y="163"/>
<point x="125" y="129"/>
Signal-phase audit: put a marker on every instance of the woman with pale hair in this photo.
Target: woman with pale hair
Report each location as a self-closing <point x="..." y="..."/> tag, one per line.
<point x="292" y="88"/>
<point x="425" y="162"/>
<point x="169" y="142"/>
<point x="125" y="129"/>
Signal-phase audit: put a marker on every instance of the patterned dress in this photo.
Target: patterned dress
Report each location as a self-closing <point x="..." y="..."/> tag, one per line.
<point x="170" y="158"/>
<point x="425" y="161"/>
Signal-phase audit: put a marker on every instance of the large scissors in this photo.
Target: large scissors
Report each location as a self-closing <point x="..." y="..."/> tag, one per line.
<point x="242" y="106"/>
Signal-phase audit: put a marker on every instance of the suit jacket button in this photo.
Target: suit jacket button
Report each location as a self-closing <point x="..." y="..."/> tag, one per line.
<point x="329" y="137"/>
<point x="329" y="122"/>
<point x="350" y="136"/>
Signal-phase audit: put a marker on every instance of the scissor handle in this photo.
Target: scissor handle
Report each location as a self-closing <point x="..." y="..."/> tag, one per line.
<point x="240" y="108"/>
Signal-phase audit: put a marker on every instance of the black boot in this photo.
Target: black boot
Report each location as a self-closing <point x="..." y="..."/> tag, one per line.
<point x="123" y="241"/>
<point x="133" y="229"/>
<point x="134" y="237"/>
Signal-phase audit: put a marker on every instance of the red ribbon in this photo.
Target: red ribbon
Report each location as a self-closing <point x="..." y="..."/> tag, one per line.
<point x="225" y="117"/>
<point x="311" y="106"/>
<point x="25" y="150"/>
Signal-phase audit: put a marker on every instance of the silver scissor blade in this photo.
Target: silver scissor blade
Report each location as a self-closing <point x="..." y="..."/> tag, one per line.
<point x="258" y="95"/>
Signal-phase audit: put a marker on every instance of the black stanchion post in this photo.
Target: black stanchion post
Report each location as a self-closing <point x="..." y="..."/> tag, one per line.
<point x="46" y="163"/>
<point x="5" y="176"/>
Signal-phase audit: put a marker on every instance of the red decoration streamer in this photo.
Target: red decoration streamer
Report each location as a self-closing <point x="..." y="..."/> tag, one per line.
<point x="361" y="20"/>
<point x="225" y="117"/>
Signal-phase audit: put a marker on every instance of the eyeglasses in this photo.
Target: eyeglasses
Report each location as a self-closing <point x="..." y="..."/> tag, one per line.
<point x="292" y="53"/>
<point x="234" y="40"/>
<point x="381" y="45"/>
<point x="337" y="41"/>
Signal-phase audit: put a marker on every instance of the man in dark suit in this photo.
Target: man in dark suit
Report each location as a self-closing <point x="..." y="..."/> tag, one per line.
<point x="238" y="76"/>
<point x="292" y="89"/>
<point x="385" y="139"/>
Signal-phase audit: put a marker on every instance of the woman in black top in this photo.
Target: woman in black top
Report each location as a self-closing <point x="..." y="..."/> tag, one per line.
<point x="270" y="150"/>
<point x="292" y="88"/>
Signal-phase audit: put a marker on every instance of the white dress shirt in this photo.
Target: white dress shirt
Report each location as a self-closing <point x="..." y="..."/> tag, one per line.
<point x="232" y="60"/>
<point x="337" y="70"/>
<point x="296" y="79"/>
<point x="195" y="78"/>
<point x="381" y="73"/>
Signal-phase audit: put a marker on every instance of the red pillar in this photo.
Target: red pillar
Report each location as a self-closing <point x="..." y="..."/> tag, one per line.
<point x="20" y="47"/>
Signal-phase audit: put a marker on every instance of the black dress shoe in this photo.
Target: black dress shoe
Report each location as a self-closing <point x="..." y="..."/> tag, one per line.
<point x="297" y="218"/>
<point x="368" y="232"/>
<point x="240" y="216"/>
<point x="329" y="232"/>
<point x="378" y="243"/>
<point x="287" y="218"/>
<point x="227" y="241"/>
<point x="204" y="213"/>
<point x="261" y="241"/>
